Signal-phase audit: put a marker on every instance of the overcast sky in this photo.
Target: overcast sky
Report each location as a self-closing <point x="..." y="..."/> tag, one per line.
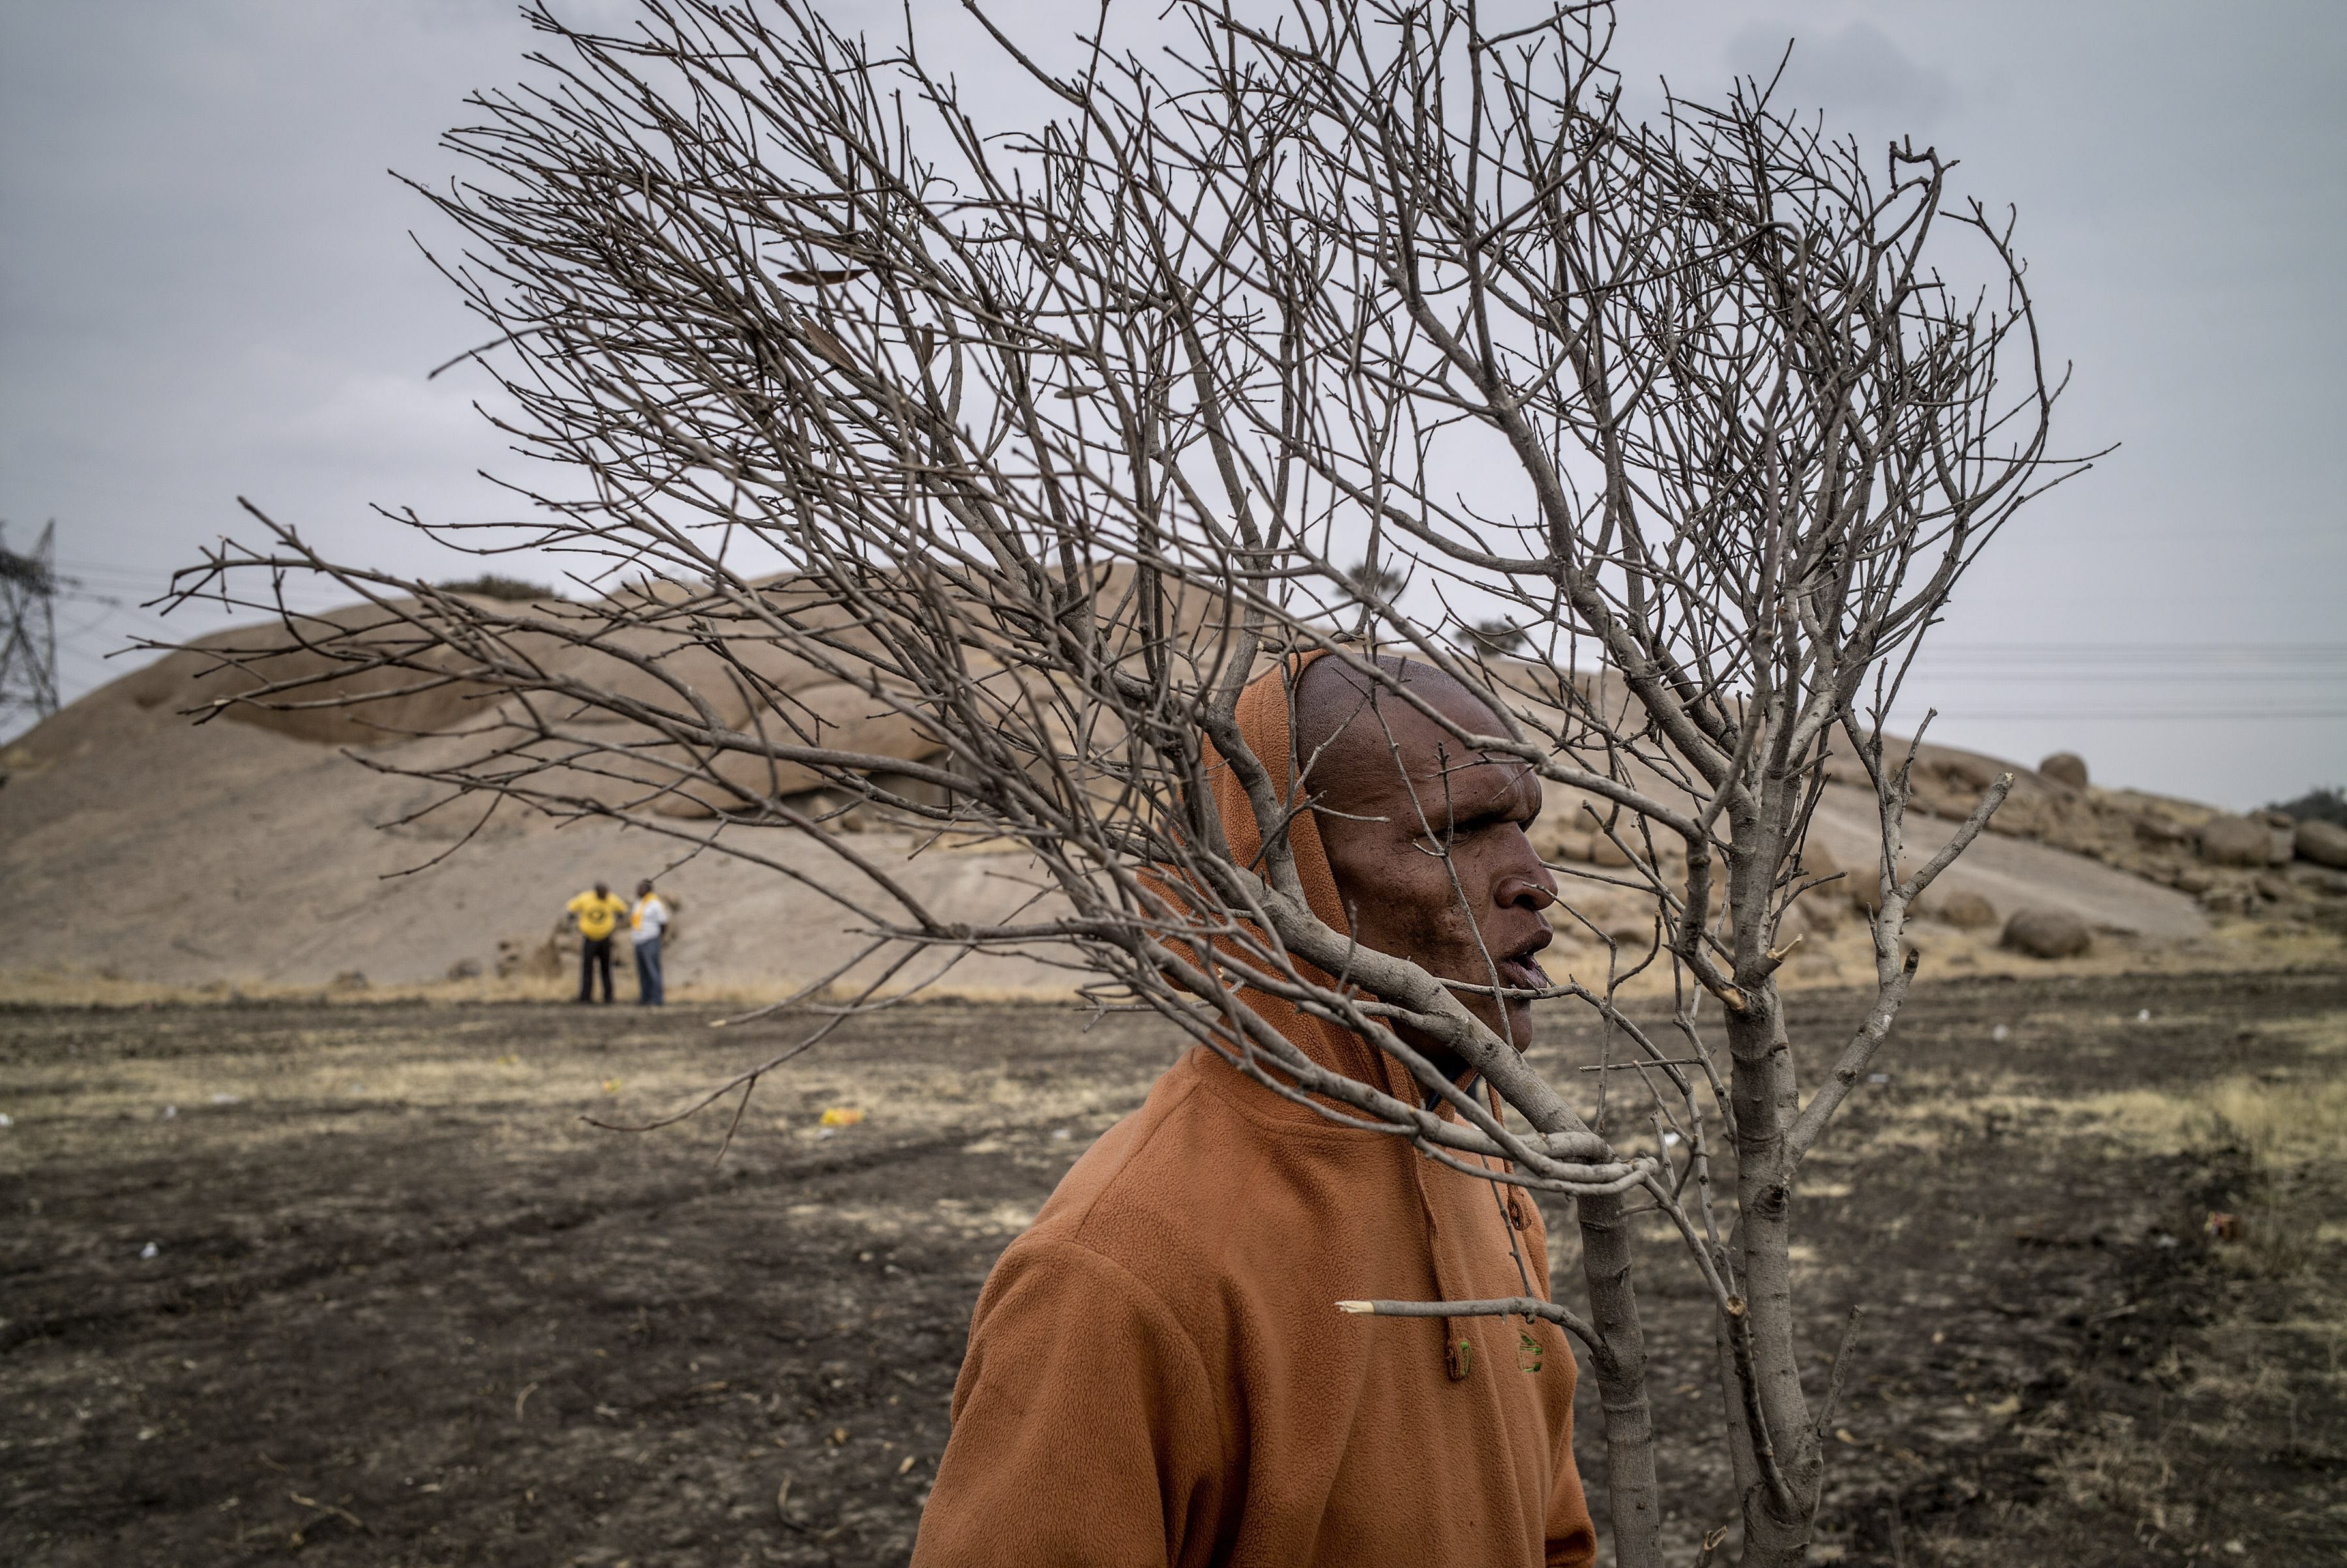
<point x="208" y="289"/>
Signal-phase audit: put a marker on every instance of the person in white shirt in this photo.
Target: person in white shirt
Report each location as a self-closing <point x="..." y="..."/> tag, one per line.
<point x="648" y="919"/>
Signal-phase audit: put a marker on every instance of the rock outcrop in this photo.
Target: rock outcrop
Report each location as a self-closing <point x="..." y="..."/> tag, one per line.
<point x="2236" y="841"/>
<point x="2067" y="768"/>
<point x="118" y="808"/>
<point x="1964" y="909"/>
<point x="2048" y="934"/>
<point x="2324" y="843"/>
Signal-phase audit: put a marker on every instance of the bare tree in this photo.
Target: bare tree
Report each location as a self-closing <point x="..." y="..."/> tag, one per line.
<point x="959" y="481"/>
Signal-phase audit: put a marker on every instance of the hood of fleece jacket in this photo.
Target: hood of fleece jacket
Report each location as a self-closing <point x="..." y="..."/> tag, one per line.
<point x="1265" y="718"/>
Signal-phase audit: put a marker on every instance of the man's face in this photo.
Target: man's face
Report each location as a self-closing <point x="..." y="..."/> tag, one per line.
<point x="1428" y="846"/>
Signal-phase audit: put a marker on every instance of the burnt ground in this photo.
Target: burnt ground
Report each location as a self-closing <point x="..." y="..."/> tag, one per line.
<point x="402" y="1307"/>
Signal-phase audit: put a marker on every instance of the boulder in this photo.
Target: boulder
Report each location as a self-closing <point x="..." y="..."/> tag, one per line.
<point x="1967" y="911"/>
<point x="2324" y="843"/>
<point x="2064" y="768"/>
<point x="2048" y="934"/>
<point x="2236" y="841"/>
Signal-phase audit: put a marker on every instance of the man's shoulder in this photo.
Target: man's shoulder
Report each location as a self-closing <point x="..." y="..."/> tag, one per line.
<point x="1184" y="1192"/>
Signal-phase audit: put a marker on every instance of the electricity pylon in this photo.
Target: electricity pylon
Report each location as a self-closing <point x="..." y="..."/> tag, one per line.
<point x="28" y="629"/>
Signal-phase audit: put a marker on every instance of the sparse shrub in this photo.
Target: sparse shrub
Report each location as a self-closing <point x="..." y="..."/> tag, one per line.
<point x="2325" y="802"/>
<point x="492" y="585"/>
<point x="1381" y="582"/>
<point x="1493" y="638"/>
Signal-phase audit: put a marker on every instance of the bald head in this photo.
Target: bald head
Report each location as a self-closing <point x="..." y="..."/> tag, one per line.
<point x="1346" y="724"/>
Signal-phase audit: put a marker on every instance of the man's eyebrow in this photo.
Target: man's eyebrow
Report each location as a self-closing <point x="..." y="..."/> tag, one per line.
<point x="1503" y="801"/>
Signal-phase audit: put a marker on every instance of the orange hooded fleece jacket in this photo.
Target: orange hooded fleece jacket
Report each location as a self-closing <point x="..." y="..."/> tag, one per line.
<point x="1157" y="1372"/>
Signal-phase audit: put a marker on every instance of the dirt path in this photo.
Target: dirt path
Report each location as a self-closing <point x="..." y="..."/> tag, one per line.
<point x="405" y="1307"/>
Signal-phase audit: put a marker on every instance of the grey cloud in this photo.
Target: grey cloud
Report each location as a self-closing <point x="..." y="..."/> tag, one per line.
<point x="207" y="290"/>
<point x="1856" y="71"/>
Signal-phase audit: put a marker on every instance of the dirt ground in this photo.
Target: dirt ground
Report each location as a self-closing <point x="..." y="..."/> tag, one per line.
<point x="355" y="1283"/>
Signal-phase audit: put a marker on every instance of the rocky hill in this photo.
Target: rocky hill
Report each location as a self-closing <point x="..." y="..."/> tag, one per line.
<point x="260" y="853"/>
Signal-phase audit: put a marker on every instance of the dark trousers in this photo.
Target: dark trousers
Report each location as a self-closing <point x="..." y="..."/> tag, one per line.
<point x="594" y="952"/>
<point x="649" y="990"/>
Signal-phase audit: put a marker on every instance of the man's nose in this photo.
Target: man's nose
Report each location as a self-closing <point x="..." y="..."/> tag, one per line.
<point x="1535" y="890"/>
<point x="1523" y="891"/>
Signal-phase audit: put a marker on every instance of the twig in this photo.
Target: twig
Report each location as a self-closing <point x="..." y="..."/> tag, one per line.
<point x="1840" y="1371"/>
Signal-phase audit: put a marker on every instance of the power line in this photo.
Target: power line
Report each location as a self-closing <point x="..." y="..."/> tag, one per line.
<point x="2039" y="649"/>
<point x="1923" y="676"/>
<point x="2140" y="715"/>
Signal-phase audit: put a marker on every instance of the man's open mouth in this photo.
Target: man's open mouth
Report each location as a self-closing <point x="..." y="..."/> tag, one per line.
<point x="1522" y="970"/>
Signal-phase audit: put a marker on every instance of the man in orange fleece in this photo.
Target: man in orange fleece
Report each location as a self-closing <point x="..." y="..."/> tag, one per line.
<point x="1157" y="1373"/>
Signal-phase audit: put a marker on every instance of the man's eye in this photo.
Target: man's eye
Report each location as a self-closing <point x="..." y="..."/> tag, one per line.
<point x="1447" y="839"/>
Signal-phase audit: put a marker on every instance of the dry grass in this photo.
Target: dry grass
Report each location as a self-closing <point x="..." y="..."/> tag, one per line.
<point x="2210" y="1450"/>
<point x="2267" y="1370"/>
<point x="2281" y="1123"/>
<point x="2285" y="1129"/>
<point x="86" y="987"/>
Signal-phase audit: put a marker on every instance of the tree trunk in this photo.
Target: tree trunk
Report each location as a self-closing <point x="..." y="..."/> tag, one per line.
<point x="1778" y="1511"/>
<point x="1633" y="1497"/>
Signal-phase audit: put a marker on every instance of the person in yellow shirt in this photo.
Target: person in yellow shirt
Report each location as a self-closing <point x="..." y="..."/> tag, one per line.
<point x="597" y="915"/>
